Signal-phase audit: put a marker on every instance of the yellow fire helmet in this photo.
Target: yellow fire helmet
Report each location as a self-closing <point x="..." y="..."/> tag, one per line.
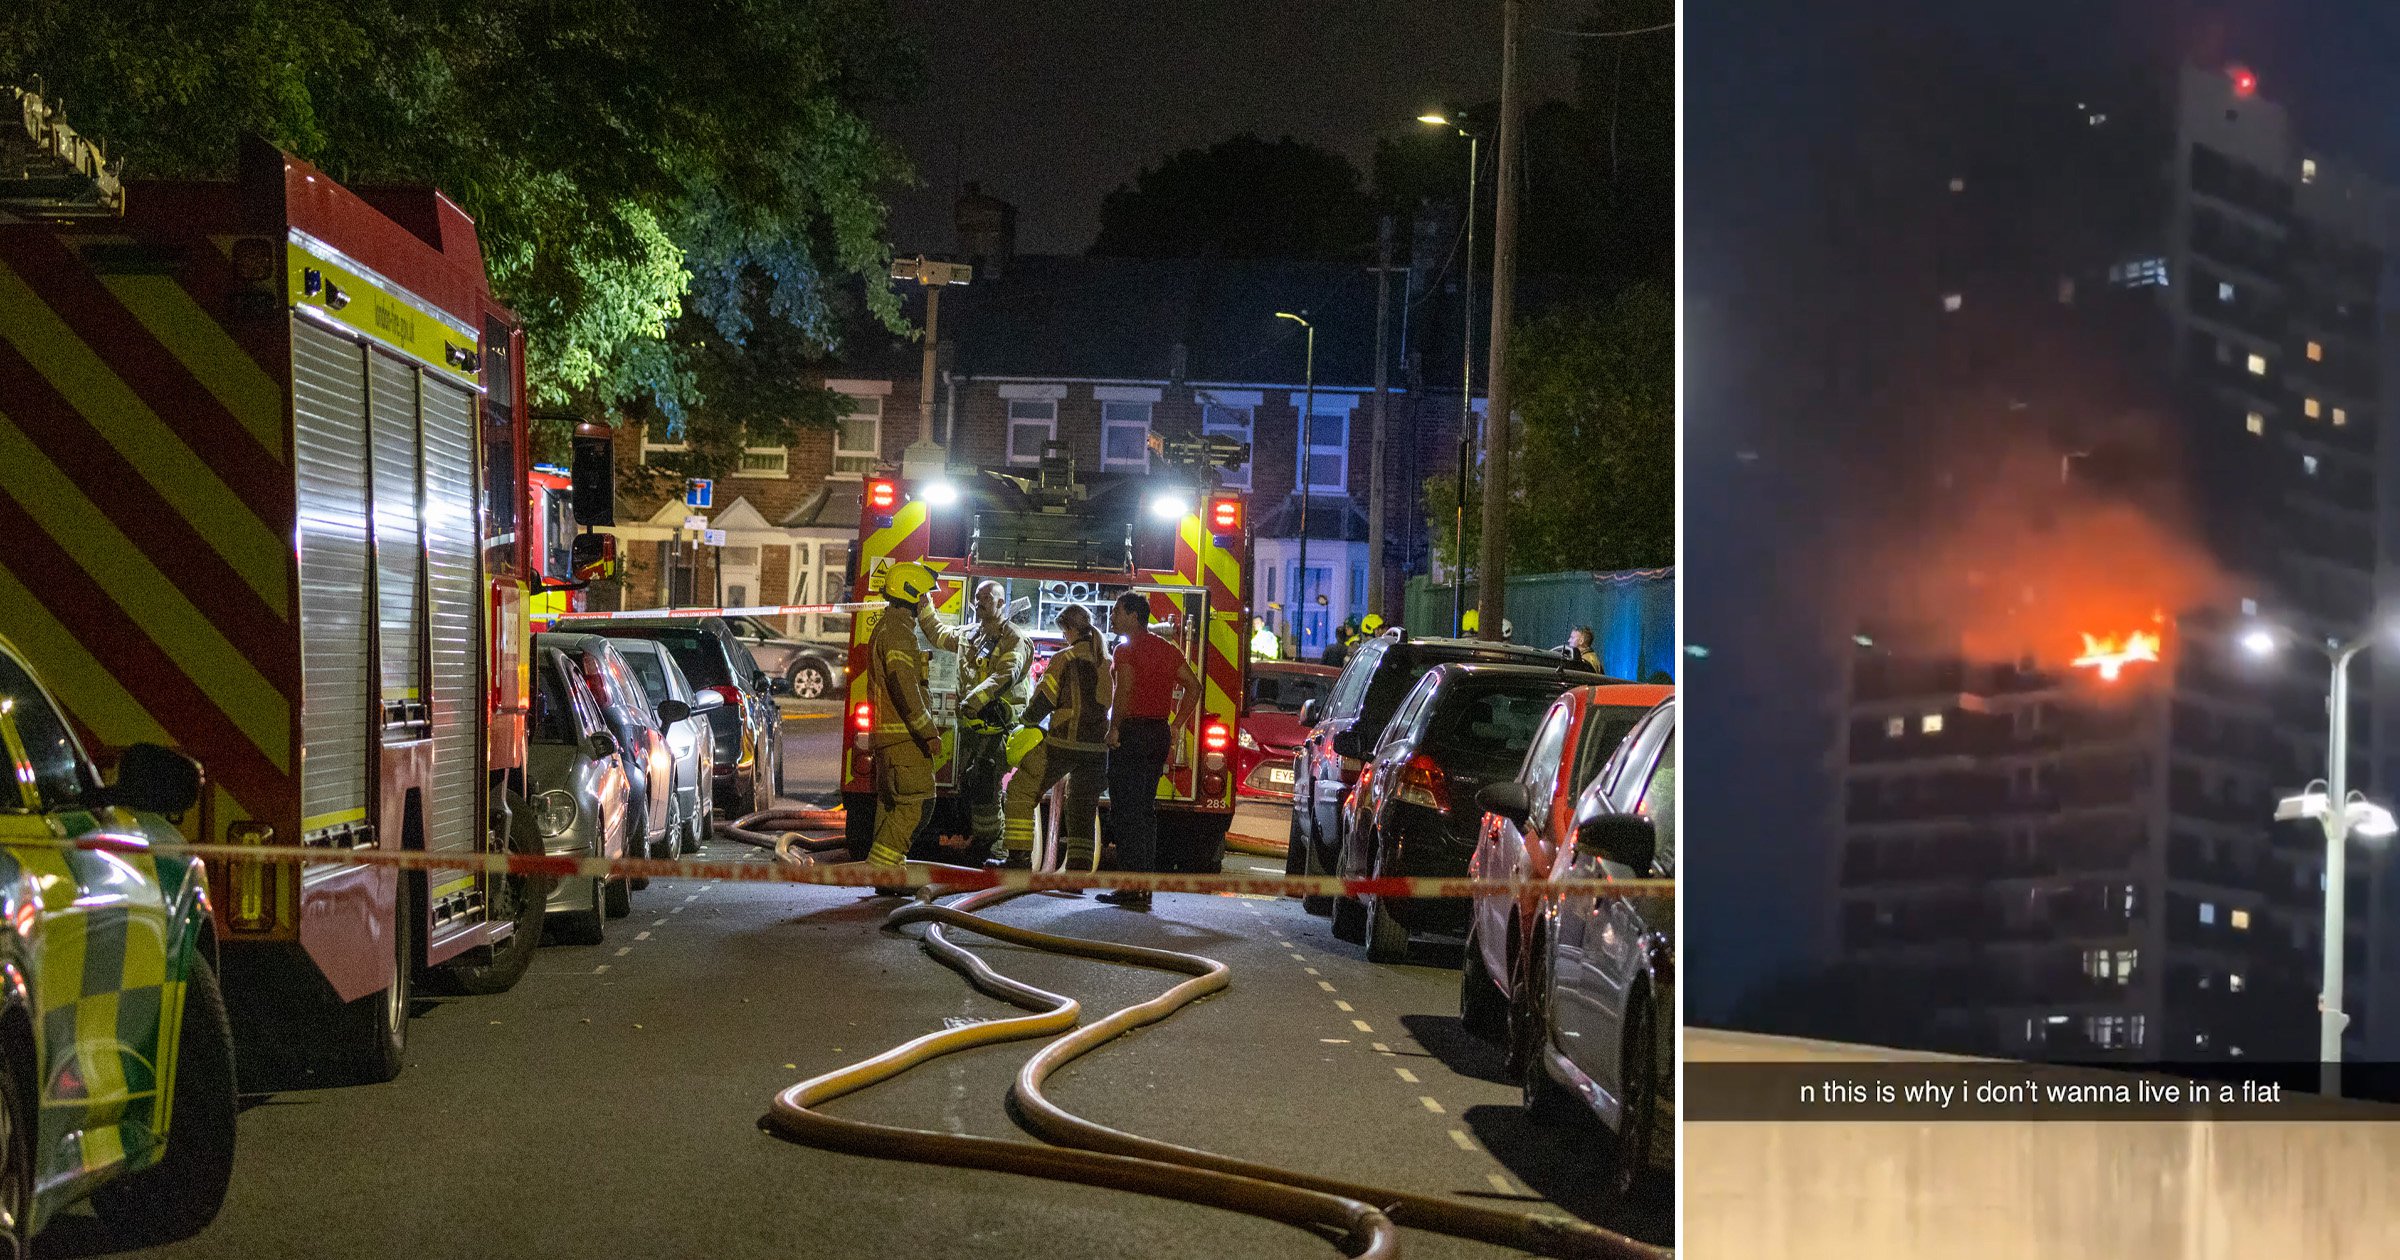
<point x="1470" y="623"/>
<point x="1021" y="742"/>
<point x="907" y="582"/>
<point x="1372" y="625"/>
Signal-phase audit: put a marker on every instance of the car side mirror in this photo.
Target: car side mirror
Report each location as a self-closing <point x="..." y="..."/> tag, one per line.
<point x="600" y="744"/>
<point x="672" y="711"/>
<point x="1349" y="743"/>
<point x="1506" y="799"/>
<point x="703" y="701"/>
<point x="778" y="686"/>
<point x="1628" y="840"/>
<point x="1310" y="711"/>
<point x="154" y="780"/>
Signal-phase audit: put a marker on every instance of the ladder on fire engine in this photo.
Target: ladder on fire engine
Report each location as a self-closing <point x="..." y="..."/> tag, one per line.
<point x="48" y="170"/>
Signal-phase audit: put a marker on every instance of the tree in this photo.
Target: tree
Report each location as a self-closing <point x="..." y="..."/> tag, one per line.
<point x="1241" y="198"/>
<point x="1595" y="433"/>
<point x="655" y="186"/>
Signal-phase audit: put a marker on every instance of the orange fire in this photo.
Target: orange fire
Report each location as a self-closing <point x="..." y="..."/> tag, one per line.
<point x="2110" y="655"/>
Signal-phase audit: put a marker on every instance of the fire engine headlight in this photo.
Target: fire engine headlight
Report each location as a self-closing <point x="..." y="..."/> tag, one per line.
<point x="553" y="812"/>
<point x="1170" y="505"/>
<point x="942" y="493"/>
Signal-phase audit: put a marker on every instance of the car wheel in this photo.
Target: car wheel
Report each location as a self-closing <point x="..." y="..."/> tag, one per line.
<point x="17" y="1128"/>
<point x="179" y="1195"/>
<point x="519" y="900"/>
<point x="637" y="842"/>
<point x="695" y="831"/>
<point x="1482" y="1007"/>
<point x="618" y="899"/>
<point x="1314" y="857"/>
<point x="365" y="1039"/>
<point x="1637" y="1095"/>
<point x="810" y="681"/>
<point x="1349" y="921"/>
<point x="1387" y="938"/>
<point x="1546" y="1101"/>
<point x="1295" y="859"/>
<point x="584" y="927"/>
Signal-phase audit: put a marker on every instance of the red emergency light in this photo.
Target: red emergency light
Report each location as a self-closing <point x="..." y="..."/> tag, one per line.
<point x="883" y="494"/>
<point x="2244" y="82"/>
<point x="1215" y="736"/>
<point x="862" y="716"/>
<point x="1225" y="514"/>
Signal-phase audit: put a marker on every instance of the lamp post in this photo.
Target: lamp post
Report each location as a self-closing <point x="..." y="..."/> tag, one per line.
<point x="2339" y="816"/>
<point x="1308" y="416"/>
<point x="1466" y="385"/>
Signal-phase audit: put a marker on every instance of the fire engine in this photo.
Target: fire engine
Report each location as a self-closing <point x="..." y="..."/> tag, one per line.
<point x="1053" y="541"/>
<point x="555" y="546"/>
<point x="267" y="453"/>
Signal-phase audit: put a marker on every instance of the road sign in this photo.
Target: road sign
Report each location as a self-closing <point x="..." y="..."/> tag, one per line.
<point x="699" y="492"/>
<point x="695" y="523"/>
<point x="713" y="537"/>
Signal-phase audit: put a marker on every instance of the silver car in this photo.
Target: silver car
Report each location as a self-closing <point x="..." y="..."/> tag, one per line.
<point x="815" y="671"/>
<point x="580" y="793"/>
<point x="688" y="740"/>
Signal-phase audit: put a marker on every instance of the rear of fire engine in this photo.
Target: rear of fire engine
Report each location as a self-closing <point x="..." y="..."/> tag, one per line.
<point x="266" y="452"/>
<point x="1054" y="541"/>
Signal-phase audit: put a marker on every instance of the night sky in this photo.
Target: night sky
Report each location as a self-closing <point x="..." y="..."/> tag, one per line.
<point x="1049" y="104"/>
<point x="1768" y="493"/>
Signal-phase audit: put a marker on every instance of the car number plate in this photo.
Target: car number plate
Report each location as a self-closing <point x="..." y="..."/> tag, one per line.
<point x="1280" y="776"/>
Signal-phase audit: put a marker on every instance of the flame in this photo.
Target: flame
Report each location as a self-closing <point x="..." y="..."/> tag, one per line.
<point x="2110" y="655"/>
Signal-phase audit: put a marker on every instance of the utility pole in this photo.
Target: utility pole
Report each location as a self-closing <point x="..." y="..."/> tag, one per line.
<point x="1492" y="575"/>
<point x="1308" y="415"/>
<point x="1466" y="409"/>
<point x="1383" y="307"/>
<point x="933" y="275"/>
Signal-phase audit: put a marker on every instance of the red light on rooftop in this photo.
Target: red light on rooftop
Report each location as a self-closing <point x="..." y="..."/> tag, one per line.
<point x="2245" y="84"/>
<point x="1225" y="515"/>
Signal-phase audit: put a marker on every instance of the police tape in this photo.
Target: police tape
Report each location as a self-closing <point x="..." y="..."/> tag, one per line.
<point x="755" y="610"/>
<point x="861" y="875"/>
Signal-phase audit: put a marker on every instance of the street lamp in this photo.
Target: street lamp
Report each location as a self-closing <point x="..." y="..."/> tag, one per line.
<point x="2355" y="814"/>
<point x="1308" y="428"/>
<point x="1466" y="386"/>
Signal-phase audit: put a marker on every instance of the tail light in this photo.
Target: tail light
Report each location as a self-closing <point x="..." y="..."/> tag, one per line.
<point x="1215" y="738"/>
<point x="1423" y="783"/>
<point x="1225" y="514"/>
<point x="883" y="494"/>
<point x="862" y="723"/>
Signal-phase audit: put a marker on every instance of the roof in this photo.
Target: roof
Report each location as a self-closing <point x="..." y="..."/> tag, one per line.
<point x="834" y="505"/>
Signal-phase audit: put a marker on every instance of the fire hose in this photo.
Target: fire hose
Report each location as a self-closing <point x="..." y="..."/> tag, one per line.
<point x="1362" y="1220"/>
<point x="750" y="829"/>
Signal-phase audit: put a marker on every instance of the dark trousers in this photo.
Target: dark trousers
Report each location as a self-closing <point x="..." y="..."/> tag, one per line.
<point x="1134" y="766"/>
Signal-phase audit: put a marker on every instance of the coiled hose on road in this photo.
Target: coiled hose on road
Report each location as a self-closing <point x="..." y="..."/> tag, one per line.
<point x="1361" y="1220"/>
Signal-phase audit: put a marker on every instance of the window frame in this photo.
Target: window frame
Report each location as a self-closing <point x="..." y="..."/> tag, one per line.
<point x="1309" y="450"/>
<point x="1210" y="422"/>
<point x="868" y="456"/>
<point x="1109" y="424"/>
<point x="1009" y="442"/>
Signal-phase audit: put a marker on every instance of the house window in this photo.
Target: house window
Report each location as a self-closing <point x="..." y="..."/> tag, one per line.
<point x="1125" y="435"/>
<point x="2311" y="408"/>
<point x="1328" y="437"/>
<point x="2224" y="353"/>
<point x="2233" y="983"/>
<point x="2110" y="964"/>
<point x="1894" y="728"/>
<point x="1358" y="585"/>
<point x="2308" y="464"/>
<point x="2340" y="417"/>
<point x="2258" y="365"/>
<point x="768" y="462"/>
<point x="2208" y="912"/>
<point x="2257" y="423"/>
<point x="1234" y="423"/>
<point x="1932" y="725"/>
<point x="658" y="439"/>
<point x="2316" y="352"/>
<point x="2308" y="170"/>
<point x="1032" y="422"/>
<point x="2240" y="920"/>
<point x="2224" y="290"/>
<point x="858" y="438"/>
<point x="1952" y="301"/>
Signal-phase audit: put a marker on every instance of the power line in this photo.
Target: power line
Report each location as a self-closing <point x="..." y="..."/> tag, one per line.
<point x="1639" y="30"/>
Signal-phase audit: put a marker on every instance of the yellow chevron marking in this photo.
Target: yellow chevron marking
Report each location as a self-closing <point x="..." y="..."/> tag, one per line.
<point x="179" y="475"/>
<point x="1221" y="641"/>
<point x="148" y="598"/>
<point x="199" y="343"/>
<point x="89" y="690"/>
<point x="907" y="519"/>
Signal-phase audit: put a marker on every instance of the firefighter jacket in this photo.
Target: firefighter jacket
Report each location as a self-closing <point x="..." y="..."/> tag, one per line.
<point x="993" y="664"/>
<point x="896" y="682"/>
<point x="1074" y="697"/>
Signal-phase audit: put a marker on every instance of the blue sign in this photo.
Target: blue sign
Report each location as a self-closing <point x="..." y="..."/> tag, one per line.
<point x="698" y="492"/>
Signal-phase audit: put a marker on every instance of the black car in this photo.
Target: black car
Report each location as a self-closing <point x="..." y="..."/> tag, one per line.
<point x="1414" y="812"/>
<point x="748" y="729"/>
<point x="1344" y="730"/>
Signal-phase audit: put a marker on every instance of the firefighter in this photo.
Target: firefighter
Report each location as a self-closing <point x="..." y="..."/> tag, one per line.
<point x="1264" y="646"/>
<point x="905" y="740"/>
<point x="1143" y="717"/>
<point x="992" y="678"/>
<point x="1344" y="639"/>
<point x="1074" y="697"/>
<point x="1578" y="648"/>
<point x="1372" y="626"/>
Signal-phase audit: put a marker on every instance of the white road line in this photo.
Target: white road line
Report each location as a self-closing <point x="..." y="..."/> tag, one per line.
<point x="624" y="951"/>
<point x="1381" y="1048"/>
<point x="1326" y="985"/>
<point x="1341" y="1005"/>
<point x="1335" y="1041"/>
<point x="1500" y="1183"/>
<point x="693" y="897"/>
<point x="597" y="970"/>
<point x="1406" y="1075"/>
<point x="1310" y="970"/>
<point x="1300" y="958"/>
<point x="676" y="910"/>
<point x="641" y="936"/>
<point x="658" y="922"/>
<point x="1432" y="1104"/>
<point x="1459" y="1136"/>
<point x="1361" y="1025"/>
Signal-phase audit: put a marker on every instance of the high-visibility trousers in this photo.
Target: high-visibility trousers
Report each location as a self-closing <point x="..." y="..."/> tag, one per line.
<point x="1078" y="822"/>
<point x="903" y="783"/>
<point x="982" y="761"/>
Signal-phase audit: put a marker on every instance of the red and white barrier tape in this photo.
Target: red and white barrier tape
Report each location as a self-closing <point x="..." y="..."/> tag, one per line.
<point x="860" y="875"/>
<point x="756" y="610"/>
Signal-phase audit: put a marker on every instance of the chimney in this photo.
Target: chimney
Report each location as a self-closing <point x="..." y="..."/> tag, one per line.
<point x="987" y="231"/>
<point x="1179" y="360"/>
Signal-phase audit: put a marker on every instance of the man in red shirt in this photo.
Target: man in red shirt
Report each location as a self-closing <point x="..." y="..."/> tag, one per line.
<point x="1144" y="716"/>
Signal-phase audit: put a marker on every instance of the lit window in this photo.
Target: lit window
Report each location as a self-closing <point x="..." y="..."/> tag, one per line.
<point x="1328" y="439"/>
<point x="2340" y="417"/>
<point x="1952" y="301"/>
<point x="2098" y="119"/>
<point x="1957" y="184"/>
<point x="2308" y="170"/>
<point x="2309" y="407"/>
<point x="2200" y="1041"/>
<point x="764" y="461"/>
<point x="2235" y="1051"/>
<point x="2257" y="423"/>
<point x="1032" y="423"/>
<point x="2240" y="920"/>
<point x="2258" y="365"/>
<point x="2224" y="290"/>
<point x="2208" y="912"/>
<point x="1894" y="728"/>
<point x="1932" y="725"/>
<point x="2234" y="982"/>
<point x="2308" y="464"/>
<point x="858" y="438"/>
<point x="2316" y="352"/>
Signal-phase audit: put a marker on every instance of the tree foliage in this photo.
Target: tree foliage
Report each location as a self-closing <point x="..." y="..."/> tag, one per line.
<point x="1241" y="198"/>
<point x="1592" y="451"/>
<point x="656" y="186"/>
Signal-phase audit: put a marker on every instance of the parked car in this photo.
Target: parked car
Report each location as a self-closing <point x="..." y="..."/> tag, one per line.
<point x="1600" y="1001"/>
<point x="576" y="780"/>
<point x="689" y="740"/>
<point x="649" y="762"/>
<point x="1271" y="730"/>
<point x="816" y="671"/>
<point x="748" y="730"/>
<point x="1526" y="820"/>
<point x="117" y="1076"/>
<point x="1413" y="811"/>
<point x="1344" y="729"/>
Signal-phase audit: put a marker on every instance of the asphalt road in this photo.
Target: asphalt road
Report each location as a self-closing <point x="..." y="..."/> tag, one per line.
<point x="611" y="1104"/>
